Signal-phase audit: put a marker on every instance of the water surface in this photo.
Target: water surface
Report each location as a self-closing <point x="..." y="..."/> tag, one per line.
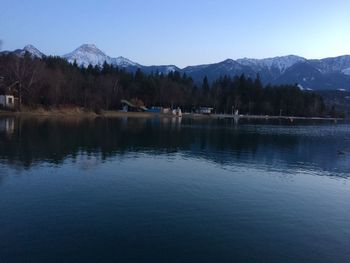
<point x="170" y="190"/>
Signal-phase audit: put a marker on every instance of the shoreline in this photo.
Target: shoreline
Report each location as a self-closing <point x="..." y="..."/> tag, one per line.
<point x="80" y="113"/>
<point x="273" y="117"/>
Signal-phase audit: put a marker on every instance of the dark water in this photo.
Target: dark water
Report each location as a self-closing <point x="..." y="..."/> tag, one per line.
<point x="164" y="190"/>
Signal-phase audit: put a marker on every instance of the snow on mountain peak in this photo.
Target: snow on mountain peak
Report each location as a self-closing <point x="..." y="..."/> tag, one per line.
<point x="123" y="62"/>
<point x="29" y="47"/>
<point x="280" y="63"/>
<point x="332" y="65"/>
<point x="228" y="61"/>
<point x="89" y="46"/>
<point x="32" y="50"/>
<point x="89" y="54"/>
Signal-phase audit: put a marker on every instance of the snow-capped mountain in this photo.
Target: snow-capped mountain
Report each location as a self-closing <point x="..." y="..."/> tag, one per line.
<point x="269" y="69"/>
<point x="123" y="62"/>
<point x="327" y="73"/>
<point x="281" y="64"/>
<point x="332" y="65"/>
<point x="33" y="51"/>
<point x="88" y="54"/>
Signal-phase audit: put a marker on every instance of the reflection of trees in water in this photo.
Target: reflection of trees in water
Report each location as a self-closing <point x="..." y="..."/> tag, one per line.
<point x="35" y="140"/>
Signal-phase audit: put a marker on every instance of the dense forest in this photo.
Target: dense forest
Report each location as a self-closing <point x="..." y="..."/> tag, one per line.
<point x="53" y="82"/>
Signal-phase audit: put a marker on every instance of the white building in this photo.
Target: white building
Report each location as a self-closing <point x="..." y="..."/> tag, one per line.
<point x="7" y="101"/>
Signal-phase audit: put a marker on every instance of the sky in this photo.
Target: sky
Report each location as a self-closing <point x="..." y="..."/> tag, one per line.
<point x="183" y="32"/>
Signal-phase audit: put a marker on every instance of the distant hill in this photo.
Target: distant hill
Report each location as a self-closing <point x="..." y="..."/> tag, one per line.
<point x="315" y="74"/>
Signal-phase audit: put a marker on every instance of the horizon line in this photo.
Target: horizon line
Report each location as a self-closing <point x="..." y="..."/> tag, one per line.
<point x="190" y="65"/>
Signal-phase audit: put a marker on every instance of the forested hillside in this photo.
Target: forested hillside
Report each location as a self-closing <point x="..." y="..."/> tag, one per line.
<point x="53" y="82"/>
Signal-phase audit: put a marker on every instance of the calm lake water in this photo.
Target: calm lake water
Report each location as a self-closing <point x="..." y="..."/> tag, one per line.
<point x="170" y="190"/>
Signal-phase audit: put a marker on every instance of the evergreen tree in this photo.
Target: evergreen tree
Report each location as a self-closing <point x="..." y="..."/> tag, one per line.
<point x="52" y="81"/>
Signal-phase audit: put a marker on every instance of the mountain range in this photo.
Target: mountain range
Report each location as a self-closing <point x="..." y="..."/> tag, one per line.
<point x="311" y="74"/>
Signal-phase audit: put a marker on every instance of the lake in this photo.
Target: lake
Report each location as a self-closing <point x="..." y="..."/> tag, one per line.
<point x="173" y="190"/>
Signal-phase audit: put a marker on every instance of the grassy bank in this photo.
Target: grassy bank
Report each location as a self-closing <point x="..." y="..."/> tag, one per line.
<point x="77" y="112"/>
<point x="67" y="111"/>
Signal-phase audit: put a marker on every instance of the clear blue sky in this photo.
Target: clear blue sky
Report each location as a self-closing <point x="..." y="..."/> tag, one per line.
<point x="180" y="32"/>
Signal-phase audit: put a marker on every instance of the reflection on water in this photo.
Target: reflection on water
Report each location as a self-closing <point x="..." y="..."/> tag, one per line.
<point x="7" y="125"/>
<point x="316" y="146"/>
<point x="173" y="190"/>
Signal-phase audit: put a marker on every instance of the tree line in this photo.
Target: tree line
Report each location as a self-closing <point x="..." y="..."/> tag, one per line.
<point x="53" y="82"/>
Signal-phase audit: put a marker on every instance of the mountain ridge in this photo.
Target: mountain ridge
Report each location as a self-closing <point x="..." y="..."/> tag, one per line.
<point x="326" y="73"/>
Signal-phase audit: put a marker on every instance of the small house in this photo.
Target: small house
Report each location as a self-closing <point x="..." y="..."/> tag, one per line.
<point x="7" y="101"/>
<point x="7" y="98"/>
<point x="134" y="105"/>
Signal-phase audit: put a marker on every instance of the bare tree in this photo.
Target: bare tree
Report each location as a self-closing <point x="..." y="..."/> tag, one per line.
<point x="25" y="70"/>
